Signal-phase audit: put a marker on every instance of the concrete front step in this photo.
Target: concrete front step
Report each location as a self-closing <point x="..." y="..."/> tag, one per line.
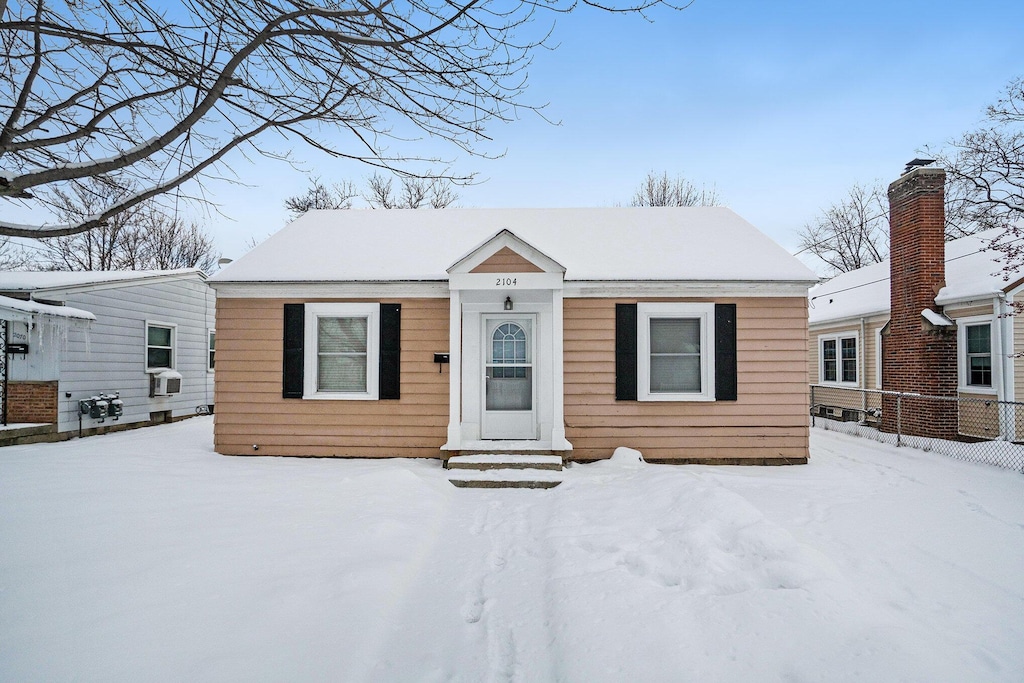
<point x="504" y="461"/>
<point x="505" y="478"/>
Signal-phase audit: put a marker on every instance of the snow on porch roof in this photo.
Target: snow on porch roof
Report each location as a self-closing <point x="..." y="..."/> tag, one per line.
<point x="701" y="243"/>
<point x="26" y="311"/>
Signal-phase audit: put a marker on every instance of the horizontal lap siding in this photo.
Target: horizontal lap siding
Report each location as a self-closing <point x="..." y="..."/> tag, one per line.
<point x="250" y="409"/>
<point x="768" y="421"/>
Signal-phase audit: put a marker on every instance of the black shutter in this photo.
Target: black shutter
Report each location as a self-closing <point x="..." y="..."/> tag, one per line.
<point x="625" y="352"/>
<point x="725" y="352"/>
<point x="294" y="337"/>
<point x="390" y="350"/>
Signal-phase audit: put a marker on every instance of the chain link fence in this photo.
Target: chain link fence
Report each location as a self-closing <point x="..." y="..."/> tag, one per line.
<point x="973" y="428"/>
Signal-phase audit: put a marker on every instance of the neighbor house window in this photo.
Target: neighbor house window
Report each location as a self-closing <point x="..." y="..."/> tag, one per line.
<point x="211" y="338"/>
<point x="675" y="355"/>
<point x="160" y="340"/>
<point x="838" y="359"/>
<point x="978" y="355"/>
<point x="342" y="351"/>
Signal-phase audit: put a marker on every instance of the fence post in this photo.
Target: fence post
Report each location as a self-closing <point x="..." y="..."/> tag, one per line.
<point x="813" y="423"/>
<point x="899" y="418"/>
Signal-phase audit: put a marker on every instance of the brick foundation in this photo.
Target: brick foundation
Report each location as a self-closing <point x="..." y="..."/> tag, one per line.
<point x="31" y="402"/>
<point x="917" y="357"/>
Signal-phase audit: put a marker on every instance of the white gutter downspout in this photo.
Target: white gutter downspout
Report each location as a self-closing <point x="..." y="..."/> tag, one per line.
<point x="1004" y="323"/>
<point x="863" y="368"/>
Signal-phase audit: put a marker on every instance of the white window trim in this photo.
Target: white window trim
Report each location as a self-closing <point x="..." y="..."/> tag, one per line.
<point x="838" y="337"/>
<point x="705" y="313"/>
<point x="210" y="331"/>
<point x="174" y="345"/>
<point x="370" y="311"/>
<point x="961" y="354"/>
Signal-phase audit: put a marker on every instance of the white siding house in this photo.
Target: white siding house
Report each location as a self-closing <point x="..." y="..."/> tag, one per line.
<point x="147" y="325"/>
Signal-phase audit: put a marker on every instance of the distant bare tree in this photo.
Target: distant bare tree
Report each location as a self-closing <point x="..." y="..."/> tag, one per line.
<point x="412" y="192"/>
<point x="13" y="257"/>
<point x="154" y="95"/>
<point x="321" y="196"/>
<point x="852" y="233"/>
<point x="142" y="238"/>
<point x="987" y="164"/>
<point x="660" y="190"/>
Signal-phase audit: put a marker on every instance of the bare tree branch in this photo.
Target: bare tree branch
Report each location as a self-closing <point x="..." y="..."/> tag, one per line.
<point x="151" y="97"/>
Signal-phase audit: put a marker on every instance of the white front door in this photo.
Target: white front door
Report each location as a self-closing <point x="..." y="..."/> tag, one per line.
<point x="509" y="391"/>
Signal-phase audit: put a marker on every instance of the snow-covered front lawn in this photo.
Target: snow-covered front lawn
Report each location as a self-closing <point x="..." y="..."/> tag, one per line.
<point x="145" y="556"/>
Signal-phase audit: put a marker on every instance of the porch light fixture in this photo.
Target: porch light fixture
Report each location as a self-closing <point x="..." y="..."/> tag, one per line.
<point x="508" y="303"/>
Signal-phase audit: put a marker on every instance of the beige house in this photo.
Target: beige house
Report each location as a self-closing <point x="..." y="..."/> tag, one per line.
<point x="848" y="314"/>
<point x="680" y="332"/>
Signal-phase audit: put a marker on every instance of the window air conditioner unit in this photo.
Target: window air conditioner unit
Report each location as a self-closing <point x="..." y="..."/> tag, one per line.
<point x="165" y="383"/>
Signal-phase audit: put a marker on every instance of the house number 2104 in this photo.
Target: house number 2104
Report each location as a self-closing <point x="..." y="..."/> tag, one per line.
<point x="505" y="282"/>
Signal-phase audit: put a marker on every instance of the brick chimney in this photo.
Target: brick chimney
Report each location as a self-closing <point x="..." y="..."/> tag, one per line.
<point x="918" y="356"/>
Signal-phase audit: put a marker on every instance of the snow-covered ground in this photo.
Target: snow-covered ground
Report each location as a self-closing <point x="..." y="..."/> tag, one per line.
<point x="145" y="556"/>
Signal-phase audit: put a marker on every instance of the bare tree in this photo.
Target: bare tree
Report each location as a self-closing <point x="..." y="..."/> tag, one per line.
<point x="14" y="257"/>
<point x="852" y="233"/>
<point x="987" y="165"/>
<point x="321" y="196"/>
<point x="412" y="192"/>
<point x="142" y="238"/>
<point x="153" y="96"/>
<point x="660" y="190"/>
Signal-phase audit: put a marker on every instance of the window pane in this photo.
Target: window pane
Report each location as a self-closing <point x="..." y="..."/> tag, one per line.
<point x="675" y="335"/>
<point x="849" y="348"/>
<point x="158" y="358"/>
<point x="341" y="335"/>
<point x="341" y="373"/>
<point x="828" y="349"/>
<point x="849" y="370"/>
<point x="980" y="371"/>
<point x="509" y="389"/>
<point x="829" y="366"/>
<point x="979" y="339"/>
<point x="213" y="339"/>
<point x="158" y="336"/>
<point x="675" y="374"/>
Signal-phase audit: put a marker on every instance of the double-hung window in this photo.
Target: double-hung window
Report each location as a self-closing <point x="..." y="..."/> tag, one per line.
<point x="342" y="351"/>
<point x="976" y="355"/>
<point x="838" y="359"/>
<point x="211" y="337"/>
<point x="675" y="352"/>
<point x="160" y="344"/>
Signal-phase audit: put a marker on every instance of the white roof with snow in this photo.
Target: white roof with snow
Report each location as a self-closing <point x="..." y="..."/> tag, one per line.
<point x="30" y="281"/>
<point x="628" y="244"/>
<point x="973" y="271"/>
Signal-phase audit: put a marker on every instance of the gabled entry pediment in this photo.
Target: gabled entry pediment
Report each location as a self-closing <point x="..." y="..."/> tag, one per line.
<point x="506" y="253"/>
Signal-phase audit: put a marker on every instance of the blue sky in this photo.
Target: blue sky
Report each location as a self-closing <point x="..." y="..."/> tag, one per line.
<point x="782" y="106"/>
